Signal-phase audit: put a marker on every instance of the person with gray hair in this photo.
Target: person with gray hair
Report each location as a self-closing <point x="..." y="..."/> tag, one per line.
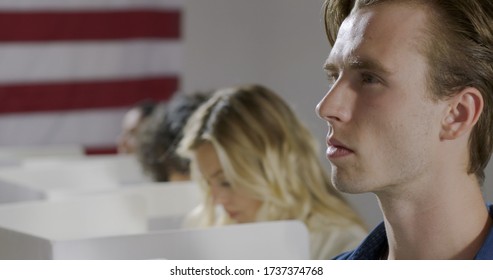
<point x="132" y="121"/>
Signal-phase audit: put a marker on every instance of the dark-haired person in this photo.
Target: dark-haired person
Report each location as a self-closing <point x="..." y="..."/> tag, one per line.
<point x="159" y="137"/>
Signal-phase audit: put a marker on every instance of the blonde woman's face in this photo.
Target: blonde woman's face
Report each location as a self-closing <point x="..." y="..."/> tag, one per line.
<point x="240" y="206"/>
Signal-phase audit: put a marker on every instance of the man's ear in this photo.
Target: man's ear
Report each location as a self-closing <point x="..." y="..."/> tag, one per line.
<point x="462" y="114"/>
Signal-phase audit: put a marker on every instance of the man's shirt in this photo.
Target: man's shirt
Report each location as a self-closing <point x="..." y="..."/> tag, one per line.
<point x="375" y="245"/>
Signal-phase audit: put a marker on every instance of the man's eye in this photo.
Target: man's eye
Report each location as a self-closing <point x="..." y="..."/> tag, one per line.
<point x="369" y="79"/>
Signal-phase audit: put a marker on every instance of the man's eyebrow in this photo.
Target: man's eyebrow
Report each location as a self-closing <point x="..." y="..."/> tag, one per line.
<point x="358" y="63"/>
<point x="331" y="67"/>
<point x="367" y="64"/>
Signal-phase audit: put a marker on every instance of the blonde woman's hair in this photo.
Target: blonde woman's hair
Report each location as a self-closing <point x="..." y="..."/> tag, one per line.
<point x="264" y="149"/>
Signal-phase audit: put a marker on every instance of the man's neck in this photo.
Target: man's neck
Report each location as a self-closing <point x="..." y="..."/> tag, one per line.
<point x="444" y="219"/>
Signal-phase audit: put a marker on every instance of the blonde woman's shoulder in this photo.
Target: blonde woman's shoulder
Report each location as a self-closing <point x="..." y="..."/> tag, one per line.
<point x="332" y="239"/>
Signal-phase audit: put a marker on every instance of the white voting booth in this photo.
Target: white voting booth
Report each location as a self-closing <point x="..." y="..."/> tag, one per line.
<point x="13" y="156"/>
<point x="122" y="169"/>
<point x="50" y="178"/>
<point x="167" y="203"/>
<point x="266" y="240"/>
<point x="115" y="225"/>
<point x="93" y="216"/>
<point x="12" y="192"/>
<point x="105" y="208"/>
<point x="162" y="205"/>
<point x="22" y="224"/>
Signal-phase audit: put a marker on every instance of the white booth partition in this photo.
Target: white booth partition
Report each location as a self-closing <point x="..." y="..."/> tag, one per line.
<point x="92" y="216"/>
<point x="257" y="241"/>
<point x="62" y="177"/>
<point x="167" y="203"/>
<point x="15" y="155"/>
<point x="12" y="192"/>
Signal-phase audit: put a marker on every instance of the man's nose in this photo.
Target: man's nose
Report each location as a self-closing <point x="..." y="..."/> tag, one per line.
<point x="335" y="105"/>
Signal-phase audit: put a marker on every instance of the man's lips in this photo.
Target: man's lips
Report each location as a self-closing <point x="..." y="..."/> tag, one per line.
<point x="336" y="149"/>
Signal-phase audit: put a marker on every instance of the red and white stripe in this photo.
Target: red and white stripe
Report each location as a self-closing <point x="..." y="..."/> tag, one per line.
<point x="69" y="69"/>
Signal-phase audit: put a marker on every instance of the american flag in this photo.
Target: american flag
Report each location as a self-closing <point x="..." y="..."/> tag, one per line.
<point x="69" y="69"/>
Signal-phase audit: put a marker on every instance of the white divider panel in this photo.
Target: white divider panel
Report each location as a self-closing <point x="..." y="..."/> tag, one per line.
<point x="266" y="241"/>
<point x="15" y="155"/>
<point x="168" y="198"/>
<point x="21" y="246"/>
<point x="167" y="203"/>
<point x="122" y="169"/>
<point x="62" y="177"/>
<point x="10" y="192"/>
<point x="92" y="216"/>
<point x="54" y="181"/>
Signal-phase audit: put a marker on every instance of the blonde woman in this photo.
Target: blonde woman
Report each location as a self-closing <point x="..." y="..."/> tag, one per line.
<point x="254" y="157"/>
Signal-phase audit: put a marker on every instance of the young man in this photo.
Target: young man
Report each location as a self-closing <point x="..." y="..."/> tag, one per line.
<point x="410" y="116"/>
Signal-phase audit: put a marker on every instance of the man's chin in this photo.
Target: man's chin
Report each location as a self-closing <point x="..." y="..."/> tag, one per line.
<point x="348" y="186"/>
